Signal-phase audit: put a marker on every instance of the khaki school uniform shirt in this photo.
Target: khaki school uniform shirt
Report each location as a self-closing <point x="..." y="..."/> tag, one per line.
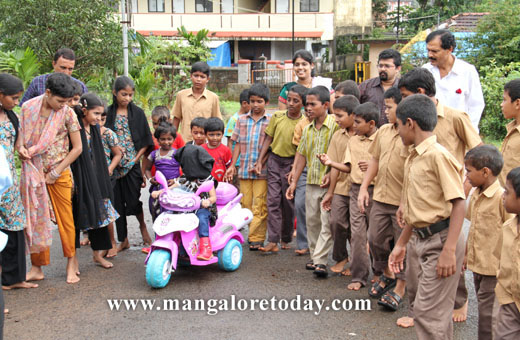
<point x="508" y="286"/>
<point x="281" y="129"/>
<point x="487" y="215"/>
<point x="336" y="152"/>
<point x="432" y="178"/>
<point x="298" y="129"/>
<point x="357" y="150"/>
<point x="510" y="150"/>
<point x="455" y="132"/>
<point x="389" y="149"/>
<point x="187" y="107"/>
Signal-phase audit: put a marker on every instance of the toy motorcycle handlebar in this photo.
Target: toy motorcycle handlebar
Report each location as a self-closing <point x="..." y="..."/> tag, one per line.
<point x="204" y="187"/>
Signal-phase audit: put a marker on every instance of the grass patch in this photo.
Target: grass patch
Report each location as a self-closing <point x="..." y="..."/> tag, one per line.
<point x="489" y="140"/>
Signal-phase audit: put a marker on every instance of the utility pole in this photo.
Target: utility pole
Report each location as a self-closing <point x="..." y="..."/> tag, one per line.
<point x="398" y="14"/>
<point x="292" y="28"/>
<point x="125" y="37"/>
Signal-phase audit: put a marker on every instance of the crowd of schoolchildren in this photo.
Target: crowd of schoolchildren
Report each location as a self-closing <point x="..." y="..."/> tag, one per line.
<point x="395" y="193"/>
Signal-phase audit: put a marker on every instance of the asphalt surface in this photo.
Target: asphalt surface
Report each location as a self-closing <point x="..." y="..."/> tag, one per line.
<point x="57" y="310"/>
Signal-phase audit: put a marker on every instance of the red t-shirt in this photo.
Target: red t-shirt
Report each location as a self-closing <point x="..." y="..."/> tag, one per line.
<point x="222" y="156"/>
<point x="177" y="144"/>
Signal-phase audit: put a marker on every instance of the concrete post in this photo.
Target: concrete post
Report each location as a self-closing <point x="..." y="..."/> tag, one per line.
<point x="244" y="71"/>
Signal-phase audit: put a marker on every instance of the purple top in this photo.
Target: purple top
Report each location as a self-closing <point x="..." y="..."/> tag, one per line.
<point x="165" y="164"/>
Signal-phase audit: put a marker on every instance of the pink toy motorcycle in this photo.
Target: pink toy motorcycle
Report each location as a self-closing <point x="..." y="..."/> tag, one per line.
<point x="176" y="230"/>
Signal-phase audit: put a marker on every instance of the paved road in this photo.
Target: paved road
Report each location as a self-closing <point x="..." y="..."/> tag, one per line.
<point x="57" y="310"/>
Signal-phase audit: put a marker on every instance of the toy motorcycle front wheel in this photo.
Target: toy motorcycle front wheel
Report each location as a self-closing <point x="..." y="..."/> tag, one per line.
<point x="158" y="268"/>
<point x="230" y="257"/>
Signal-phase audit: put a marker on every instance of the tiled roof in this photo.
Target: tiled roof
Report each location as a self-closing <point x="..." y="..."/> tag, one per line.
<point x="465" y="22"/>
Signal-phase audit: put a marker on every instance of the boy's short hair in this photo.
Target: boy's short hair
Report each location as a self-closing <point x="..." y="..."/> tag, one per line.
<point x="299" y="90"/>
<point x="259" y="90"/>
<point x="514" y="177"/>
<point x="198" y="122"/>
<point x="78" y="90"/>
<point x="416" y="78"/>
<point x="485" y="156"/>
<point x="244" y="96"/>
<point x="420" y="109"/>
<point x="346" y="103"/>
<point x="161" y="111"/>
<point x="393" y="93"/>
<point x="321" y="92"/>
<point x="165" y="127"/>
<point x="200" y="66"/>
<point x="368" y="111"/>
<point x="348" y="87"/>
<point x="513" y="89"/>
<point x="214" y="124"/>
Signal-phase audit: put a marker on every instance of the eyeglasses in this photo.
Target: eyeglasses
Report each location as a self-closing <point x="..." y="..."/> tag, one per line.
<point x="387" y="66"/>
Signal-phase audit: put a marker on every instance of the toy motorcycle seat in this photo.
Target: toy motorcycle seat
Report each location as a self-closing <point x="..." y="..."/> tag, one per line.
<point x="225" y="193"/>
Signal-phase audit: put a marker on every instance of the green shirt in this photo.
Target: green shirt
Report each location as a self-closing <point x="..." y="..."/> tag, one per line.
<point x="315" y="142"/>
<point x="281" y="128"/>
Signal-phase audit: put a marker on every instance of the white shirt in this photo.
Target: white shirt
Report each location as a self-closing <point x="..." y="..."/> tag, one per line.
<point x="460" y="89"/>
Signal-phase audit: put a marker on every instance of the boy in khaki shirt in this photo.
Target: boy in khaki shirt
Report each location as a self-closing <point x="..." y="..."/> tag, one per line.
<point x="508" y="288"/>
<point x="487" y="215"/>
<point x="455" y="132"/>
<point x="387" y="163"/>
<point x="431" y="215"/>
<point x="337" y="198"/>
<point x="355" y="162"/>
<point x="511" y="144"/>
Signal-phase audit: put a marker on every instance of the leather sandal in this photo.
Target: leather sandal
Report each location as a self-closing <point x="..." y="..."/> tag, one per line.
<point x="321" y="270"/>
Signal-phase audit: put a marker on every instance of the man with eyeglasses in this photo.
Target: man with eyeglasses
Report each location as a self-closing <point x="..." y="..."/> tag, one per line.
<point x="372" y="90"/>
<point x="457" y="82"/>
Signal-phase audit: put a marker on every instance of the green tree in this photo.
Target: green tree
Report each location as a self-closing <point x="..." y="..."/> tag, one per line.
<point x="498" y="35"/>
<point x="22" y="63"/>
<point x="90" y="28"/>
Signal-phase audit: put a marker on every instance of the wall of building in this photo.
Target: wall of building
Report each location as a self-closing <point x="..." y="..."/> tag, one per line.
<point x="221" y="76"/>
<point x="282" y="50"/>
<point x="353" y="17"/>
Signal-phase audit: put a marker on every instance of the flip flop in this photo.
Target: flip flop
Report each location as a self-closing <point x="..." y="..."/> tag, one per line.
<point x="390" y="301"/>
<point x="255" y="246"/>
<point x="380" y="290"/>
<point x="321" y="271"/>
<point x="310" y="265"/>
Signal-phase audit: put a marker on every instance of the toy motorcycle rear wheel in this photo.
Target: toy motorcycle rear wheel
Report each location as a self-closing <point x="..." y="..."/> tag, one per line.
<point x="158" y="268"/>
<point x="230" y="257"/>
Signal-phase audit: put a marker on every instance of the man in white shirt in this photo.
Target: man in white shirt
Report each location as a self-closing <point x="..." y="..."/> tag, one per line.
<point x="457" y="82"/>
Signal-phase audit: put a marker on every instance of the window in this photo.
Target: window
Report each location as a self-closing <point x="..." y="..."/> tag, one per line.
<point x="155" y="5"/>
<point x="204" y="6"/>
<point x="177" y="6"/>
<point x="309" y="5"/>
<point x="226" y="6"/>
<point x="282" y="6"/>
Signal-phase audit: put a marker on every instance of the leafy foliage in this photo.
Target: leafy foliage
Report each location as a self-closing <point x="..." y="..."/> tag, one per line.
<point x="493" y="78"/>
<point x="90" y="28"/>
<point x="22" y="63"/>
<point x="499" y="31"/>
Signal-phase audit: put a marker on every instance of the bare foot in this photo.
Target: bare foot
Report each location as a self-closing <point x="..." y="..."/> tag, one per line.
<point x="98" y="258"/>
<point x="35" y="274"/>
<point x="294" y="233"/>
<point x="123" y="245"/>
<point x="346" y="272"/>
<point x="354" y="286"/>
<point x="405" y="322"/>
<point x="338" y="267"/>
<point x="461" y="314"/>
<point x="285" y="245"/>
<point x="72" y="270"/>
<point x="85" y="241"/>
<point x="375" y="278"/>
<point x="270" y="247"/>
<point x="300" y="252"/>
<point x="6" y="311"/>
<point x="112" y="252"/>
<point x="23" y="284"/>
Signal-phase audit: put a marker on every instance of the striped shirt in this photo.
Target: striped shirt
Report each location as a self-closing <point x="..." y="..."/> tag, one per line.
<point x="249" y="135"/>
<point x="315" y="142"/>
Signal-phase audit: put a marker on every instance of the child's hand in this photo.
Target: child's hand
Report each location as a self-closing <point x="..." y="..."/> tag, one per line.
<point x="230" y="172"/>
<point x="290" y="176"/>
<point x="363" y="165"/>
<point x="23" y="153"/>
<point x="363" y="200"/>
<point x="446" y="263"/>
<point x="143" y="184"/>
<point x="325" y="181"/>
<point x="324" y="159"/>
<point x="396" y="259"/>
<point x="289" y="194"/>
<point x="153" y="181"/>
<point x="326" y="201"/>
<point x="205" y="203"/>
<point x="156" y="194"/>
<point x="170" y="182"/>
<point x="400" y="217"/>
<point x="258" y="168"/>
